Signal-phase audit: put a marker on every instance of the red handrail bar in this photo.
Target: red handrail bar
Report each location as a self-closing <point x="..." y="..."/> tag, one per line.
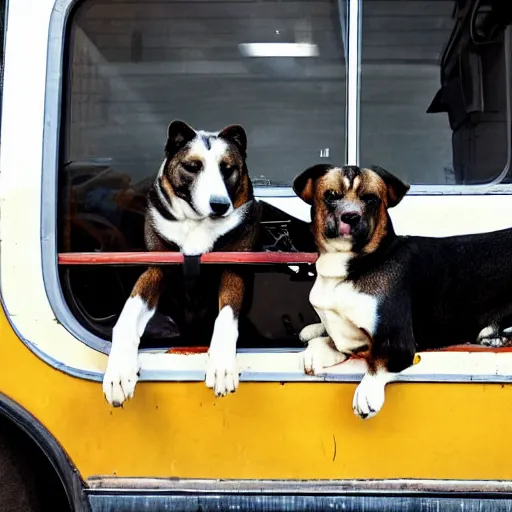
<point x="150" y="258"/>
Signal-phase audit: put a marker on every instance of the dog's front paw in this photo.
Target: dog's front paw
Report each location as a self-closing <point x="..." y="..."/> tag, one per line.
<point x="222" y="372"/>
<point x="221" y="368"/>
<point x="311" y="331"/>
<point x="319" y="355"/>
<point x="368" y="398"/>
<point x="121" y="376"/>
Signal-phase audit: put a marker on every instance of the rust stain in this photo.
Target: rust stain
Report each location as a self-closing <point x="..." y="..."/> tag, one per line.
<point x="187" y="350"/>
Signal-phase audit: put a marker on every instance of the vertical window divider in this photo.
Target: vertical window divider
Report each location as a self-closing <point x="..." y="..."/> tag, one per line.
<point x="353" y="80"/>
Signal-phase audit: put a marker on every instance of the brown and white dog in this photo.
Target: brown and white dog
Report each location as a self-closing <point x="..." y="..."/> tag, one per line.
<point x="383" y="296"/>
<point x="201" y="200"/>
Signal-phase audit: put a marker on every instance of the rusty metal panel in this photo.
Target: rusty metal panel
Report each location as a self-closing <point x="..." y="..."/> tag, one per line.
<point x="287" y="503"/>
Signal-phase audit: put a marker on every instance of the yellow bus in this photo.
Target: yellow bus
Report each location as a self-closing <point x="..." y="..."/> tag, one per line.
<point x="420" y="87"/>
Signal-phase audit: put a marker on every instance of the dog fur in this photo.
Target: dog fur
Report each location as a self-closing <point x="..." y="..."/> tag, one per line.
<point x="383" y="296"/>
<point x="201" y="200"/>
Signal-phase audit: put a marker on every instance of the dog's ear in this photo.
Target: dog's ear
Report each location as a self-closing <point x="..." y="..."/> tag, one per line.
<point x="396" y="187"/>
<point x="178" y="135"/>
<point x="236" y="134"/>
<point x="303" y="184"/>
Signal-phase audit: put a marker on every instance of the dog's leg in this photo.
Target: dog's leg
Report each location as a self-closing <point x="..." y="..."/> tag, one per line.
<point x="122" y="370"/>
<point x="393" y="349"/>
<point x="312" y="331"/>
<point x="320" y="354"/>
<point x="221" y="370"/>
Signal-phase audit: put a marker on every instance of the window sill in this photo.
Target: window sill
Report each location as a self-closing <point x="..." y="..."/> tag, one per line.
<point x="455" y="365"/>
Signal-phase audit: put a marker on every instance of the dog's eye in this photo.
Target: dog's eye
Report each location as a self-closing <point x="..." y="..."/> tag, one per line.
<point x="370" y="199"/>
<point x="331" y="195"/>
<point x="226" y="169"/>
<point x="192" y="166"/>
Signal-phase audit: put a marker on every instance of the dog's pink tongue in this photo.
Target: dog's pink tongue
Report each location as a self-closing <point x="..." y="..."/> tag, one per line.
<point x="344" y="228"/>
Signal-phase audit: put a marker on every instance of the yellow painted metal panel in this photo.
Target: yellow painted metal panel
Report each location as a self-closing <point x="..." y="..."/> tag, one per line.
<point x="266" y="430"/>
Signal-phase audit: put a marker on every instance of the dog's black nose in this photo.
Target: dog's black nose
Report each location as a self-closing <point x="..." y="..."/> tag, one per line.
<point x="219" y="205"/>
<point x="350" y="218"/>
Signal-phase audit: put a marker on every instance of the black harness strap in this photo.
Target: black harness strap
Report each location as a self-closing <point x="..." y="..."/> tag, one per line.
<point x="191" y="265"/>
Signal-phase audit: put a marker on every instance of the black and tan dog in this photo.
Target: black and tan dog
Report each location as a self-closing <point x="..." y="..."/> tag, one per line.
<point x="201" y="200"/>
<point x="384" y="296"/>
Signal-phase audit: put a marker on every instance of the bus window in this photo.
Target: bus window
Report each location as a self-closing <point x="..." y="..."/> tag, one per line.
<point x="435" y="96"/>
<point x="277" y="68"/>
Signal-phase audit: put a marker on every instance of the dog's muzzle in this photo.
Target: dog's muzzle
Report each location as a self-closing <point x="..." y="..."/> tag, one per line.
<point x="344" y="221"/>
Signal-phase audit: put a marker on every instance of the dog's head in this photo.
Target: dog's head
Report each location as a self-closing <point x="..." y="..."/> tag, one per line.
<point x="205" y="172"/>
<point x="349" y="205"/>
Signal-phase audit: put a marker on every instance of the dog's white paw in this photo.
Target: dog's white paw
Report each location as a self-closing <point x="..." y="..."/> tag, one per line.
<point x="121" y="376"/>
<point x="319" y="355"/>
<point x="221" y="369"/>
<point x="369" y="397"/>
<point x="222" y="372"/>
<point x="311" y="331"/>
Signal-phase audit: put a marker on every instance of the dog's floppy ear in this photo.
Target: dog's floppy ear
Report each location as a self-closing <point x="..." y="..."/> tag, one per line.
<point x="396" y="187"/>
<point x="236" y="134"/>
<point x="178" y="135"/>
<point x="303" y="184"/>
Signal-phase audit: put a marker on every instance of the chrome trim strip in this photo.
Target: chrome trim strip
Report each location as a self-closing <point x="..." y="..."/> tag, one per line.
<point x="49" y="193"/>
<point x="295" y="503"/>
<point x="388" y="486"/>
<point x="415" y="190"/>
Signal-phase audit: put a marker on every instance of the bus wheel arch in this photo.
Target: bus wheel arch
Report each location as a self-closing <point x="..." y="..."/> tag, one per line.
<point x="35" y="472"/>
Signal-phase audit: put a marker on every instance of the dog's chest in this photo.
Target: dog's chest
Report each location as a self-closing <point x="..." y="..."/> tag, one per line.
<point x="195" y="236"/>
<point x="343" y="309"/>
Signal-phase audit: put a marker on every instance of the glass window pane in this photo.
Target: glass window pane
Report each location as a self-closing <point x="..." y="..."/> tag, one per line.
<point x="275" y="66"/>
<point x="434" y="106"/>
<point x="137" y="65"/>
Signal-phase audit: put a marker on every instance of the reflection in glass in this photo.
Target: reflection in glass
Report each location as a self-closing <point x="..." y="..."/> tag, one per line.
<point x="435" y="93"/>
